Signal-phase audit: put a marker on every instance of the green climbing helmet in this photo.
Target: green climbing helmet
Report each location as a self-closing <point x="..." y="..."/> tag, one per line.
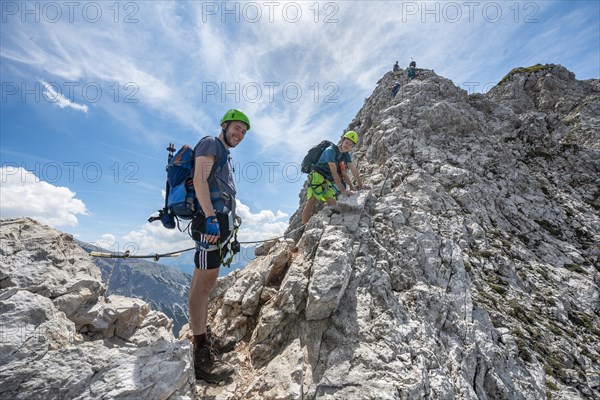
<point x="352" y="136"/>
<point x="235" y="115"/>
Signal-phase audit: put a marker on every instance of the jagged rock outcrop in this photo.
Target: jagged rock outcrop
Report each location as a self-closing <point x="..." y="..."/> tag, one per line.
<point x="61" y="338"/>
<point x="469" y="270"/>
<point x="163" y="287"/>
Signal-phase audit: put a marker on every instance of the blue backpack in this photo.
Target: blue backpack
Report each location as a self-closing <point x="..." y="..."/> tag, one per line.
<point x="180" y="198"/>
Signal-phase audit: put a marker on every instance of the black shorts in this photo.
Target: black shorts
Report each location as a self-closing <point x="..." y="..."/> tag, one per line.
<point x="209" y="259"/>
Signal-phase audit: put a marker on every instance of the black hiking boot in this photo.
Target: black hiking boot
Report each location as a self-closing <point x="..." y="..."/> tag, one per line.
<point x="209" y="367"/>
<point x="219" y="345"/>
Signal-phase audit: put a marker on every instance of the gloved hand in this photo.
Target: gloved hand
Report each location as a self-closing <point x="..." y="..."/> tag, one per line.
<point x="211" y="232"/>
<point x="212" y="227"/>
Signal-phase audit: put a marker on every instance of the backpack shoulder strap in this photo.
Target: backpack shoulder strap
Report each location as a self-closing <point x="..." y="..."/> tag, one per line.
<point x="220" y="163"/>
<point x="217" y="167"/>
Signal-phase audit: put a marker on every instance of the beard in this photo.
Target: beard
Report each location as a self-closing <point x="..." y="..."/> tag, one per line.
<point x="230" y="139"/>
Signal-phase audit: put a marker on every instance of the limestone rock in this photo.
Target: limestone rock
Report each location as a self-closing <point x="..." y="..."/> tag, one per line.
<point x="469" y="270"/>
<point x="164" y="288"/>
<point x="49" y="264"/>
<point x="63" y="339"/>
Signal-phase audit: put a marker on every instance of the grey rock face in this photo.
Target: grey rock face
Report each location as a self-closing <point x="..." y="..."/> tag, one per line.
<point x="61" y="338"/>
<point x="163" y="287"/>
<point x="469" y="270"/>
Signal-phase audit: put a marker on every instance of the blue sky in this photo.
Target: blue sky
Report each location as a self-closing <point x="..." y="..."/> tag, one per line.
<point x="93" y="92"/>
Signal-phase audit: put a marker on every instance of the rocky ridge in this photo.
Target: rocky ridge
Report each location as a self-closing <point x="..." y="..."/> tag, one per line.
<point x="469" y="270"/>
<point x="164" y="288"/>
<point x="62" y="338"/>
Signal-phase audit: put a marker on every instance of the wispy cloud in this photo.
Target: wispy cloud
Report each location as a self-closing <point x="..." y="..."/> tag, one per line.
<point x="347" y="44"/>
<point x="60" y="100"/>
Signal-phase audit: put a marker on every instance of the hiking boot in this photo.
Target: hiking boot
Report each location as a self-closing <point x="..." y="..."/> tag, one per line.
<point x="219" y="345"/>
<point x="209" y="367"/>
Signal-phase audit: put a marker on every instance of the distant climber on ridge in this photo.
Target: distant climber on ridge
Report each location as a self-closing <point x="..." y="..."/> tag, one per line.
<point x="412" y="70"/>
<point x="395" y="89"/>
<point x="396" y="67"/>
<point x="330" y="166"/>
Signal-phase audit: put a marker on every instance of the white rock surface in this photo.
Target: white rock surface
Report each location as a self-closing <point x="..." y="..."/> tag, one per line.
<point x="61" y="339"/>
<point x="469" y="270"/>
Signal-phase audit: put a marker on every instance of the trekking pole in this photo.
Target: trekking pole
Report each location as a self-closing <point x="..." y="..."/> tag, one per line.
<point x="171" y="150"/>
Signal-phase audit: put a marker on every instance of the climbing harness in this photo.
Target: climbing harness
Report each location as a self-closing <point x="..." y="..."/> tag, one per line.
<point x="323" y="186"/>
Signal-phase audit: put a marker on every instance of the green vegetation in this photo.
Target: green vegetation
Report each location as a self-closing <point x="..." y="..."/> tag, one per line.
<point x="551" y="386"/>
<point x="519" y="312"/>
<point x="488" y="297"/>
<point x="498" y="289"/>
<point x="468" y="266"/>
<point x="485" y="254"/>
<point x="505" y="243"/>
<point x="544" y="274"/>
<point x="547" y="225"/>
<point x="554" y="367"/>
<point x="521" y="340"/>
<point x="588" y="323"/>
<point x="554" y="329"/>
<point x="519" y="333"/>
<point x="524" y="352"/>
<point x="533" y="68"/>
<point x="575" y="268"/>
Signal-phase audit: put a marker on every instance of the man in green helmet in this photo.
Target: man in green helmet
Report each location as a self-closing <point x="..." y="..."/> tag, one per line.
<point x="329" y="178"/>
<point x="215" y="190"/>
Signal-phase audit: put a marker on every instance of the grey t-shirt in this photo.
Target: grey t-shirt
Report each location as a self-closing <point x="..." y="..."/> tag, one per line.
<point x="212" y="146"/>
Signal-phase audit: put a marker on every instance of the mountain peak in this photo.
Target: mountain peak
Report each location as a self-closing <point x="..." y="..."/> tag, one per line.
<point x="467" y="270"/>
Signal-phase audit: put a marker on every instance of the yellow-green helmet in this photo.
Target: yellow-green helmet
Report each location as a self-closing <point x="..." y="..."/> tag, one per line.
<point x="235" y="115"/>
<point x="352" y="136"/>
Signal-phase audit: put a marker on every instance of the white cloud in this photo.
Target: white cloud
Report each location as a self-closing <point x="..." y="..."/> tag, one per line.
<point x="60" y="100"/>
<point x="24" y="195"/>
<point x="261" y="225"/>
<point x="262" y="217"/>
<point x="261" y="231"/>
<point x="154" y="238"/>
<point x="106" y="241"/>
